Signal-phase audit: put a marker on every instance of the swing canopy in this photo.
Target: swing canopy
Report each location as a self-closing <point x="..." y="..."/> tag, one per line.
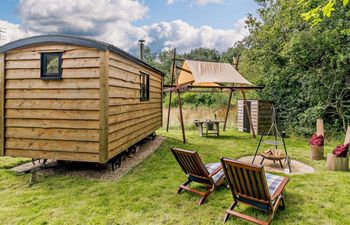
<point x="202" y="73"/>
<point x="205" y="75"/>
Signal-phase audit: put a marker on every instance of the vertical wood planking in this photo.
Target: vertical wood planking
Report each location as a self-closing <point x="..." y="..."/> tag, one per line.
<point x="249" y="113"/>
<point x="2" y="104"/>
<point x="161" y="100"/>
<point x="104" y="70"/>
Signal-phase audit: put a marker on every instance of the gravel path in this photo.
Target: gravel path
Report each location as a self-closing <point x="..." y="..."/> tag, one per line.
<point x="93" y="170"/>
<point x="296" y="166"/>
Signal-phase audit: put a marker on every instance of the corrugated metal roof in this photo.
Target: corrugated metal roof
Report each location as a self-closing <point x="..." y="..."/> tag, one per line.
<point x="74" y="40"/>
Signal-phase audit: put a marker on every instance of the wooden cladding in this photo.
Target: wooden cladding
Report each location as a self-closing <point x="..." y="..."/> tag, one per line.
<point x="104" y="60"/>
<point x="2" y="104"/>
<point x="130" y="119"/>
<point x="52" y="118"/>
<point x="261" y="118"/>
<point x="92" y="114"/>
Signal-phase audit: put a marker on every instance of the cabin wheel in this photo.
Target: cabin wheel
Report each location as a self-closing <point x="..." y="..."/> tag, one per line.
<point x="154" y="135"/>
<point x="124" y="155"/>
<point x="117" y="163"/>
<point x="132" y="150"/>
<point x="41" y="161"/>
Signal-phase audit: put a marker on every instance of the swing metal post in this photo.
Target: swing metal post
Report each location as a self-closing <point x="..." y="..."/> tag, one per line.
<point x="257" y="149"/>
<point x="249" y="113"/>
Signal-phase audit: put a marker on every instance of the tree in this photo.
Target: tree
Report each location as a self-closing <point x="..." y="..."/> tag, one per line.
<point x="203" y="54"/>
<point x="317" y="11"/>
<point x="304" y="68"/>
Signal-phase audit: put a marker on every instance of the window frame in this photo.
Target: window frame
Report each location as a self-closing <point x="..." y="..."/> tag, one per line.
<point x="144" y="86"/>
<point x="43" y="66"/>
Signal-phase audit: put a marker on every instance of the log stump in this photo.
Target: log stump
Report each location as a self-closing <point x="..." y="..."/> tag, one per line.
<point x="316" y="152"/>
<point x="337" y="163"/>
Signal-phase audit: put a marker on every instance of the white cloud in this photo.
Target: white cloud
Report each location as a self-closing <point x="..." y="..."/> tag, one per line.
<point x="12" y="32"/>
<point x="80" y="17"/>
<point x="184" y="37"/>
<point x="205" y="2"/>
<point x="169" y="2"/>
<point x="111" y="21"/>
<point x="123" y="35"/>
<point x="195" y="2"/>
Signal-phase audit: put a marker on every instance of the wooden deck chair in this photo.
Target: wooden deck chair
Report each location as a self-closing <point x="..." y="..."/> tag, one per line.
<point x="210" y="174"/>
<point x="251" y="186"/>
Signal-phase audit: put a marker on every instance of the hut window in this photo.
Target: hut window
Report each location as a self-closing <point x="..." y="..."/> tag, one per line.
<point x="144" y="89"/>
<point x="51" y="65"/>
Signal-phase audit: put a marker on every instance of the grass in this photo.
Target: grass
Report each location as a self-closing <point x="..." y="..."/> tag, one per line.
<point x="146" y="195"/>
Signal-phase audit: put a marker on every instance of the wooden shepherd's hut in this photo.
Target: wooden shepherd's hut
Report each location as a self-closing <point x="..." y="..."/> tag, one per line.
<point x="72" y="98"/>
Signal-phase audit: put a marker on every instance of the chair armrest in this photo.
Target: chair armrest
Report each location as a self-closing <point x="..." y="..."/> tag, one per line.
<point x="215" y="171"/>
<point x="280" y="188"/>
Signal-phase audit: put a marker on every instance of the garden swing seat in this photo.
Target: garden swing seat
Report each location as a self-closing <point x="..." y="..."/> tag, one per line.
<point x="250" y="185"/>
<point x="211" y="175"/>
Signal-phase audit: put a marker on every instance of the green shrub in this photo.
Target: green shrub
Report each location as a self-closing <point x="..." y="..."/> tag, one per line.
<point x="198" y="99"/>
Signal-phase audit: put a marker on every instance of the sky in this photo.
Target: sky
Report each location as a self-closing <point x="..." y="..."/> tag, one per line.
<point x="164" y="24"/>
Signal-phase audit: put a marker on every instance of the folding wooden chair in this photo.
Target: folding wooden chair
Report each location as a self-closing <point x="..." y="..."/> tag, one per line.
<point x="251" y="186"/>
<point x="211" y="127"/>
<point x="210" y="174"/>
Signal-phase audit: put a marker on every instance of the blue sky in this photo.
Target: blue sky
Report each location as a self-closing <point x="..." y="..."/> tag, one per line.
<point x="221" y="15"/>
<point x="8" y="10"/>
<point x="206" y="23"/>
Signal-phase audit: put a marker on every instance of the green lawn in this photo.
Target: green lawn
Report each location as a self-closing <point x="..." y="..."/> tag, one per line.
<point x="146" y="195"/>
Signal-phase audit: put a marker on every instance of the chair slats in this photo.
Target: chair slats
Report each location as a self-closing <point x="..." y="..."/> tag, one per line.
<point x="190" y="162"/>
<point x="241" y="180"/>
<point x="247" y="181"/>
<point x="249" y="186"/>
<point x="196" y="171"/>
<point x="195" y="166"/>
<point x="260" y="185"/>
<point x="185" y="164"/>
<point x="235" y="178"/>
<point x="254" y="186"/>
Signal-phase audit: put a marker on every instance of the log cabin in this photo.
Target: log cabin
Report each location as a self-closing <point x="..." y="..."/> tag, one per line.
<point x="71" y="98"/>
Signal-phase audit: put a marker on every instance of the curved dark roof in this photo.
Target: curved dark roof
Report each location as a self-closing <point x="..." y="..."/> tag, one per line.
<point x="67" y="39"/>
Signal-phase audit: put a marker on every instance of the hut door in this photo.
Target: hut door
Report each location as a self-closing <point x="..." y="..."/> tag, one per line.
<point x="246" y="124"/>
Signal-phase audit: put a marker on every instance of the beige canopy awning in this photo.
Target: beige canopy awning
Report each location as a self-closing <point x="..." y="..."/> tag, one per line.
<point x="202" y="73"/>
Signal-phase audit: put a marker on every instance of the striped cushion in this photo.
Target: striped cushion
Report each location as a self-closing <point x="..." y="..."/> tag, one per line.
<point x="212" y="167"/>
<point x="273" y="181"/>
